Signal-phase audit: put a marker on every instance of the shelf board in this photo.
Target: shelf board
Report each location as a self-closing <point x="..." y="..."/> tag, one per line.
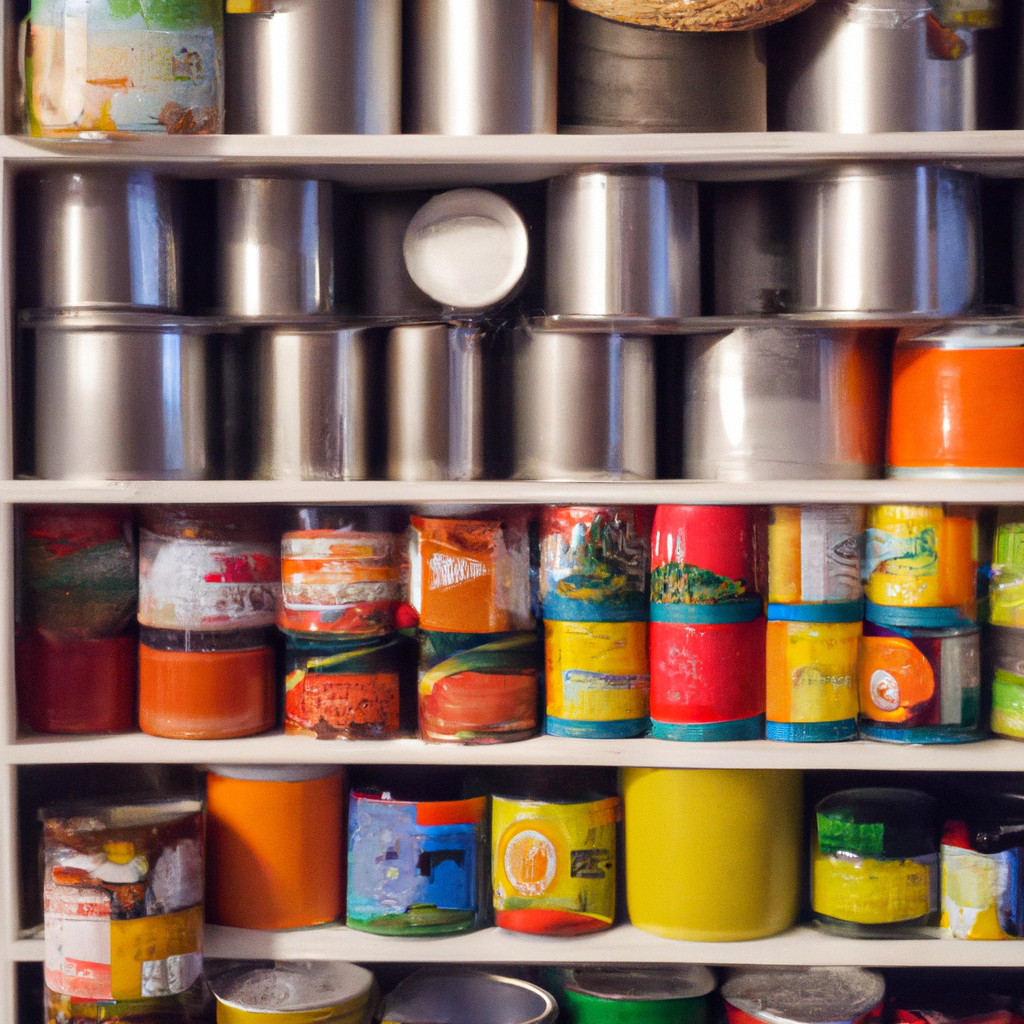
<point x="528" y="492"/>
<point x="860" y="755"/>
<point x="803" y="945"/>
<point x="381" y="161"/>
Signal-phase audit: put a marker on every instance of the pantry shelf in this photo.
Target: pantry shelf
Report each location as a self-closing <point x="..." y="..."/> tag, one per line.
<point x="862" y="755"/>
<point x="1009" y="489"/>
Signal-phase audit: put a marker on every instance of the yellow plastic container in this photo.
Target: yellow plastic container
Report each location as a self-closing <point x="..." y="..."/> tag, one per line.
<point x="712" y="855"/>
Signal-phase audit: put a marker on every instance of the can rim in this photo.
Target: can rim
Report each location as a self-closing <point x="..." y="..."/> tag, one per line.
<point x="742" y="992"/>
<point x="105" y="318"/>
<point x="692" y="981"/>
<point x="354" y="987"/>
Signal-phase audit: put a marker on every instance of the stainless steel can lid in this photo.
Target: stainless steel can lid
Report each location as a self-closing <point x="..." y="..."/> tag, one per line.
<point x="812" y="995"/>
<point x="651" y="983"/>
<point x="463" y="996"/>
<point x="295" y="986"/>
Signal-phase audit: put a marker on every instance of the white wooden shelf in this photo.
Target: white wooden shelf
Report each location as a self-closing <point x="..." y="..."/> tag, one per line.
<point x="994" y="755"/>
<point x="1000" y="490"/>
<point x="803" y="945"/>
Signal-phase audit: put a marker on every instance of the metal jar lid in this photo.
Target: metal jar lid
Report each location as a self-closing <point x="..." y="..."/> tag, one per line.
<point x="462" y="996"/>
<point x="651" y="983"/>
<point x="813" y="995"/>
<point x="296" y="986"/>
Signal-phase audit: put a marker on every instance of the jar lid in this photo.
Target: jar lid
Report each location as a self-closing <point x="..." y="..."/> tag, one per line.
<point x="810" y="995"/>
<point x="96" y="816"/>
<point x="274" y="772"/>
<point x="463" y="996"/>
<point x="877" y="823"/>
<point x="993" y="815"/>
<point x="297" y="985"/>
<point x="652" y="983"/>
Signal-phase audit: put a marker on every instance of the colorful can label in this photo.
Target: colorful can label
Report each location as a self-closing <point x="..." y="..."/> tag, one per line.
<point x="415" y="868"/>
<point x="967" y="13"/>
<point x="594" y="564"/>
<point x="206" y="584"/>
<point x="708" y="680"/>
<point x="812" y="680"/>
<point x="553" y="865"/>
<point x="1006" y="588"/>
<point x="123" y="904"/>
<point x="340" y="581"/>
<point x="478" y="687"/>
<point x="1008" y="704"/>
<point x="920" y="684"/>
<point x="348" y="691"/>
<point x="707" y="554"/>
<point x="814" y="553"/>
<point x="920" y="557"/>
<point x="982" y="893"/>
<point x="597" y="678"/>
<point x="470" y="576"/>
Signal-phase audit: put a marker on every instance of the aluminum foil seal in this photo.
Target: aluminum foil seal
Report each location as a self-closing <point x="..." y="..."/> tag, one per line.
<point x="884" y="13"/>
<point x="814" y="995"/>
<point x="294" y="986"/>
<point x="641" y="984"/>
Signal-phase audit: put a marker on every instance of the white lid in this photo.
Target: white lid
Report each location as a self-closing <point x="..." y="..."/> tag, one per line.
<point x="466" y="248"/>
<point x="274" y="772"/>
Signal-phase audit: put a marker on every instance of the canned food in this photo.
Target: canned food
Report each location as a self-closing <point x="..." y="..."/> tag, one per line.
<point x="123" y="899"/>
<point x="416" y="867"/>
<point x="553" y="864"/>
<point x="920" y="685"/>
<point x="1007" y="653"/>
<point x="1006" y="589"/>
<point x="62" y="1009"/>
<point x="875" y="865"/>
<point x="803" y="995"/>
<point x="812" y="691"/>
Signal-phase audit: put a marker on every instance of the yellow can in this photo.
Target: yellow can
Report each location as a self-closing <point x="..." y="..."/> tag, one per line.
<point x="812" y="681"/>
<point x="553" y="865"/>
<point x="814" y="554"/>
<point x="712" y="855"/>
<point x="598" y="681"/>
<point x="921" y="556"/>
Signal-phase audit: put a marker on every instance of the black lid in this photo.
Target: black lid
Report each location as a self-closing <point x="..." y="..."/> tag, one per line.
<point x="877" y="823"/>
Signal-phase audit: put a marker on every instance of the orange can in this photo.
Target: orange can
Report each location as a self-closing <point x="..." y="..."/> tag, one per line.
<point x="222" y="686"/>
<point x="274" y="845"/>
<point x="956" y="404"/>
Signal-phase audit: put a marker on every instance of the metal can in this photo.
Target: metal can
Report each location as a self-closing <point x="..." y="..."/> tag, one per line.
<point x="649" y="994"/>
<point x="95" y="69"/>
<point x="814" y="558"/>
<point x="478" y="687"/>
<point x="951" y="87"/>
<point x="812" y="686"/>
<point x="295" y="992"/>
<point x="607" y="430"/>
<point x="275" y="248"/>
<point x="953" y="408"/>
<point x="553" y="864"/>
<point x="274" y="845"/>
<point x="803" y="995"/>
<point x="707" y="563"/>
<point x="626" y="78"/>
<point x="920" y="685"/>
<point x="463" y="995"/>
<point x="812" y="400"/>
<point x="123" y="898"/>
<point x="622" y="243"/>
<point x="874" y="862"/>
<point x="983" y="864"/>
<point x="341" y="689"/>
<point x="1007" y="659"/>
<point x="1006" y="591"/>
<point x="707" y="679"/>
<point x="144" y="410"/>
<point x="315" y="415"/>
<point x="712" y="855"/>
<point x="921" y="564"/>
<point x="62" y="1009"/>
<point x="313" y="67"/>
<point x="416" y="867"/>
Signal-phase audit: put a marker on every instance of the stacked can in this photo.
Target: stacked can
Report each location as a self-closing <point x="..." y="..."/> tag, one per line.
<point x="1006" y="614"/>
<point x="469" y="580"/>
<point x="208" y="581"/>
<point x="593" y="593"/>
<point x="815" y="608"/>
<point x="341" y="591"/>
<point x="707" y="632"/>
<point x="920" y="663"/>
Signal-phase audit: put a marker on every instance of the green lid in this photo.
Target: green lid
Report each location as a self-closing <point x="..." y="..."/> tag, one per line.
<point x="655" y="994"/>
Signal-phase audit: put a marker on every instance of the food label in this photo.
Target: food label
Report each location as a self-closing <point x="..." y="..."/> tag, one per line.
<point x="1008" y="704"/>
<point x="814" y="554"/>
<point x="982" y="894"/>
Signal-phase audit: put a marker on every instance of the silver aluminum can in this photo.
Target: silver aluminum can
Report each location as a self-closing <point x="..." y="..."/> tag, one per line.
<point x="108" y="237"/>
<point x="887" y="239"/>
<point x="625" y="78"/>
<point x="622" y="243"/>
<point x="315" y="67"/>
<point x="784" y="403"/>
<point x="314" y="402"/>
<point x="951" y="88"/>
<point x="469" y="67"/>
<point x="437" y="379"/>
<point x="462" y="995"/>
<point x="123" y="397"/>
<point x="583" y="406"/>
<point x="852" y="66"/>
<point x="544" y="118"/>
<point x="275" y="252"/>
